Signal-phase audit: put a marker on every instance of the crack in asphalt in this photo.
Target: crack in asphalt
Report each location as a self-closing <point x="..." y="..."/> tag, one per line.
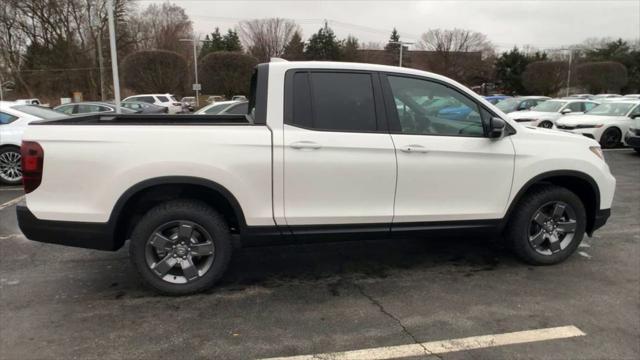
<point x="391" y="316"/>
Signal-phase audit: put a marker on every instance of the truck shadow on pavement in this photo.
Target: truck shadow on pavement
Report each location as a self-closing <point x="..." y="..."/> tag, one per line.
<point x="328" y="264"/>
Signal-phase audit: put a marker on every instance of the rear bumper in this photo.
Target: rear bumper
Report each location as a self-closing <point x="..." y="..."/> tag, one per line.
<point x="599" y="220"/>
<point x="98" y="236"/>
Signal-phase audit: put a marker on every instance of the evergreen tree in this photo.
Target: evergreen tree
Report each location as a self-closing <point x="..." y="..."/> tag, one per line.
<point x="511" y="65"/>
<point x="393" y="49"/>
<point x="323" y="45"/>
<point x="392" y="45"/>
<point x="212" y="43"/>
<point x="231" y="41"/>
<point x="295" y="48"/>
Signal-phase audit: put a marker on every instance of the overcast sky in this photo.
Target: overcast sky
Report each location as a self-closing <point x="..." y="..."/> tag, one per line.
<point x="542" y="24"/>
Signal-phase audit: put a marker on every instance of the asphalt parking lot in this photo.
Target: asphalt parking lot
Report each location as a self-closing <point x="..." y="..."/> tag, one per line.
<point x="61" y="303"/>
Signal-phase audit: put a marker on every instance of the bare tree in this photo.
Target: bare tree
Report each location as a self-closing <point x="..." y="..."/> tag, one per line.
<point x="459" y="53"/>
<point x="456" y="40"/>
<point x="266" y="38"/>
<point x="161" y="26"/>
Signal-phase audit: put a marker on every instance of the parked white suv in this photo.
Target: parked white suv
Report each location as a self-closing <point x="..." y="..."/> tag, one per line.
<point x="166" y="100"/>
<point x="326" y="151"/>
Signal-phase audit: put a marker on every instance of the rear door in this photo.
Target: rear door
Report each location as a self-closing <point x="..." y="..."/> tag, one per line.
<point x="448" y="169"/>
<point x="339" y="159"/>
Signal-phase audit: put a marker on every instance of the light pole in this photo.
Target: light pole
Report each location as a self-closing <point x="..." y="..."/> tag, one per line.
<point x="114" y="55"/>
<point x="196" y="86"/>
<point x="569" y="70"/>
<point x="402" y="44"/>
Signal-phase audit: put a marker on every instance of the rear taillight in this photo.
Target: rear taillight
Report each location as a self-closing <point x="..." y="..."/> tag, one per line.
<point x="177" y="104"/>
<point x="32" y="164"/>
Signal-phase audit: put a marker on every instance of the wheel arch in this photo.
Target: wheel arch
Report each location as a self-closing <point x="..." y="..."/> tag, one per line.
<point x="142" y="196"/>
<point x="583" y="185"/>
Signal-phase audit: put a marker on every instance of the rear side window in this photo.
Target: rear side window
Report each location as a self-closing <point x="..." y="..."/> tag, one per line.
<point x="147" y="99"/>
<point x="334" y="101"/>
<point x="7" y="118"/>
<point x="576" y="106"/>
<point x="240" y="109"/>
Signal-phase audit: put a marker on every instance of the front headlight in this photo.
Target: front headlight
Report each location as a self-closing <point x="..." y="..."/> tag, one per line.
<point x="598" y="151"/>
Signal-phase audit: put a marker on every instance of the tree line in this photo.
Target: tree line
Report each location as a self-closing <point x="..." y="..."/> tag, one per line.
<point x="51" y="48"/>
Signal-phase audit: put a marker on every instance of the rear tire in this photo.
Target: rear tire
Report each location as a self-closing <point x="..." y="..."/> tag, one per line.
<point x="537" y="235"/>
<point x="610" y="138"/>
<point x="181" y="247"/>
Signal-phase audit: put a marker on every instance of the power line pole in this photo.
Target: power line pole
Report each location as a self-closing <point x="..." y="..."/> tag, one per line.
<point x="114" y="55"/>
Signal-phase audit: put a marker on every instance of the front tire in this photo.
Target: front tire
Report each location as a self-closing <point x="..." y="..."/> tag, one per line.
<point x="547" y="226"/>
<point x="546" y="124"/>
<point x="181" y="247"/>
<point x="10" y="166"/>
<point x="610" y="138"/>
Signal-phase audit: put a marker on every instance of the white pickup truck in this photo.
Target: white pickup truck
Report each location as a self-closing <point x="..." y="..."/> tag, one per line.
<point x="327" y="151"/>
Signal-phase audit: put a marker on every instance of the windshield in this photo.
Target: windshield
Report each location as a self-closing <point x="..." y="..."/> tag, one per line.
<point x="508" y="104"/>
<point x="549" y="106"/>
<point x="611" y="109"/>
<point x="39" y="111"/>
<point x="215" y="109"/>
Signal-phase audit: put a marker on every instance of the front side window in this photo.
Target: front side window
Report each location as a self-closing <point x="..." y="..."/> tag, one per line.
<point x="549" y="106"/>
<point x="163" y="99"/>
<point x="589" y="105"/>
<point x="430" y="108"/>
<point x="334" y="101"/>
<point x="7" y="118"/>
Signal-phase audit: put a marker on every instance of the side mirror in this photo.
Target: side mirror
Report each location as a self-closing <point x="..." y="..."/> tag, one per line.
<point x="565" y="111"/>
<point x="496" y="128"/>
<point x="635" y="116"/>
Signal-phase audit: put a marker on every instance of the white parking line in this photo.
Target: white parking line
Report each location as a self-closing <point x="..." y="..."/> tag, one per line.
<point x="446" y="346"/>
<point x="11" y="202"/>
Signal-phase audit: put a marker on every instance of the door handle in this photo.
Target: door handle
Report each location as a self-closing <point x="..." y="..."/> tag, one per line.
<point x="414" y="149"/>
<point x="305" y="145"/>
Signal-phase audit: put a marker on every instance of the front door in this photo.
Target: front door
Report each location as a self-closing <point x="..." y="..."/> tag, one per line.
<point x="448" y="170"/>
